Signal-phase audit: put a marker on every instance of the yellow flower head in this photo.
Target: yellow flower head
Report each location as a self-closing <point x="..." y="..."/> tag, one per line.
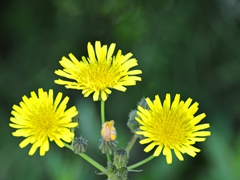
<point x="171" y="127"/>
<point x="99" y="72"/>
<point x="40" y="119"/>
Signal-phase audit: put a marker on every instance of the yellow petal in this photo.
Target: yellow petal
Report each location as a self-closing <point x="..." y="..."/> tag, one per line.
<point x="33" y="148"/>
<point x="178" y="154"/>
<point x="150" y="147"/>
<point x="25" y="142"/>
<point x="110" y="51"/>
<point x="145" y="141"/>
<point x="167" y="152"/>
<point x="158" y="150"/>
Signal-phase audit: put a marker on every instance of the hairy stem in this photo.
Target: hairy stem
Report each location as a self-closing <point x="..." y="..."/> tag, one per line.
<point x="131" y="143"/>
<point x="88" y="159"/>
<point x="141" y="162"/>
<point x="103" y="121"/>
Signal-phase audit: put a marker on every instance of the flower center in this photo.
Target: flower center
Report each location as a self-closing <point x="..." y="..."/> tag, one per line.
<point x="170" y="129"/>
<point x="43" y="119"/>
<point x="99" y="76"/>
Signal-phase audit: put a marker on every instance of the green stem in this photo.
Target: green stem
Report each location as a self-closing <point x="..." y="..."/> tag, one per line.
<point x="141" y="162"/>
<point x="90" y="160"/>
<point x="103" y="121"/>
<point x="102" y="112"/>
<point x="108" y="158"/>
<point x="131" y="143"/>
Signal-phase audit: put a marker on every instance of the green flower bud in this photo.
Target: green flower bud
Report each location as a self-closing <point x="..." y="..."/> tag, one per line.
<point x="120" y="174"/>
<point x="132" y="123"/>
<point x="107" y="147"/>
<point x="111" y="169"/>
<point x="143" y="103"/>
<point x="79" y="145"/>
<point x="120" y="158"/>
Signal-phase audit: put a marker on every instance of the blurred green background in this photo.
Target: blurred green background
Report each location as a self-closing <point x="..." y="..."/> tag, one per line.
<point x="183" y="46"/>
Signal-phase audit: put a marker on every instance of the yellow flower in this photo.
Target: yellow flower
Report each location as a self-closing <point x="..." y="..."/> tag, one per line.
<point x="99" y="72"/>
<point x="171" y="127"/>
<point x="40" y="119"/>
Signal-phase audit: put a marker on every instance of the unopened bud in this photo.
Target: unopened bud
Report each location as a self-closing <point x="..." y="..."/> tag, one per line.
<point x="79" y="145"/>
<point x="120" y="174"/>
<point x="143" y="103"/>
<point x="132" y="123"/>
<point x="108" y="131"/>
<point x="107" y="147"/>
<point x="120" y="158"/>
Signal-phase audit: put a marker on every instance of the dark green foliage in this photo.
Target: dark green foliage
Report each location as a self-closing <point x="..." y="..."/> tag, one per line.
<point x="186" y="47"/>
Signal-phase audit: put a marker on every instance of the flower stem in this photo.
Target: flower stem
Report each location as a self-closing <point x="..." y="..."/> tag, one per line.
<point x="102" y="112"/>
<point x="103" y="121"/>
<point x="141" y="162"/>
<point x="90" y="160"/>
<point x="131" y="143"/>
